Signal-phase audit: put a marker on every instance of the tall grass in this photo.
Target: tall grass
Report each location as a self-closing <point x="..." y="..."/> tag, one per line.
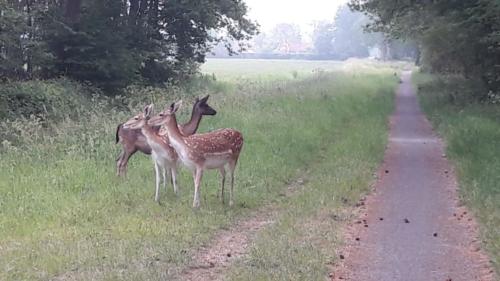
<point x="305" y="237"/>
<point x="472" y="133"/>
<point x="64" y="214"/>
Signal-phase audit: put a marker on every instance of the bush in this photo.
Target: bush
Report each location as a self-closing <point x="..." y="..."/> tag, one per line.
<point x="46" y="100"/>
<point x="454" y="89"/>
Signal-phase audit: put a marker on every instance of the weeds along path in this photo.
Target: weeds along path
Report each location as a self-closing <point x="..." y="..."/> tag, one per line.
<point x="212" y="261"/>
<point x="412" y="227"/>
<point x="65" y="216"/>
<point x="293" y="238"/>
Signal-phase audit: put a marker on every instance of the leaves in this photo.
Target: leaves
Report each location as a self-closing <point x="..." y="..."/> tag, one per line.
<point x="458" y="37"/>
<point x="115" y="43"/>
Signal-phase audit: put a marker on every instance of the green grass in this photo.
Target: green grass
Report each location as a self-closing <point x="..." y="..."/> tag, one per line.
<point x="65" y="215"/>
<point x="250" y="70"/>
<point x="472" y="133"/>
<point x="303" y="241"/>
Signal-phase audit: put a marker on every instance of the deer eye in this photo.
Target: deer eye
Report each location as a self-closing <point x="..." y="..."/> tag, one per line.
<point x="136" y="118"/>
<point x="161" y="115"/>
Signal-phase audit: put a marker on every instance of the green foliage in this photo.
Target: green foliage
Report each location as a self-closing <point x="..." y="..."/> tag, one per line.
<point x="51" y="100"/>
<point x="10" y="54"/>
<point x="306" y="233"/>
<point x="95" y="49"/>
<point x="349" y="39"/>
<point x="115" y="43"/>
<point x="66" y="216"/>
<point x="323" y="38"/>
<point x="284" y="38"/>
<point x="472" y="133"/>
<point x="460" y="37"/>
<point x="346" y="37"/>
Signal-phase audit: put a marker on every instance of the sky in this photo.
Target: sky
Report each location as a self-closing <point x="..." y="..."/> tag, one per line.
<point x="304" y="13"/>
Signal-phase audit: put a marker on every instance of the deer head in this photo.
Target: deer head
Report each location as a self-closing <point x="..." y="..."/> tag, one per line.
<point x="168" y="115"/>
<point x="139" y="120"/>
<point x="201" y="107"/>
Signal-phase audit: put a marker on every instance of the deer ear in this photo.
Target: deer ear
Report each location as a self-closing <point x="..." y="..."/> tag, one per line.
<point x="205" y="98"/>
<point x="176" y="106"/>
<point x="171" y="107"/>
<point x="148" y="110"/>
<point x="196" y="100"/>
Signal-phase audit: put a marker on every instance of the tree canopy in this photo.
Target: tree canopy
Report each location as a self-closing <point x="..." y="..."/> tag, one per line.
<point x="459" y="37"/>
<point x="345" y="37"/>
<point x="114" y="43"/>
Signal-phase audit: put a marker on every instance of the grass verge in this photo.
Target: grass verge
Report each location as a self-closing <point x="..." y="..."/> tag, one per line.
<point x="303" y="241"/>
<point x="472" y="133"/>
<point x="65" y="216"/>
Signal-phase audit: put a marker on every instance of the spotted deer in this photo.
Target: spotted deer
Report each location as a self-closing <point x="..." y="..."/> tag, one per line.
<point x="133" y="140"/>
<point x="200" y="152"/>
<point x="162" y="153"/>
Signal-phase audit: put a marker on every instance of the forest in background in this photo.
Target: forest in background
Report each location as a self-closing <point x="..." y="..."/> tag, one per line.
<point x="340" y="38"/>
<point x="115" y="43"/>
<point x="455" y="37"/>
<point x="116" y="47"/>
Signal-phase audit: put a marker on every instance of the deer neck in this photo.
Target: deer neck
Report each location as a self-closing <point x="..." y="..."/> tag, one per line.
<point x="191" y="127"/>
<point x="176" y="138"/>
<point x="151" y="134"/>
<point x="173" y="130"/>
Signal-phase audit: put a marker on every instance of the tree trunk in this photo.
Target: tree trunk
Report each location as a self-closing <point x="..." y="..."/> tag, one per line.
<point x="134" y="8"/>
<point x="72" y="11"/>
<point x="418" y="55"/>
<point x="28" y="60"/>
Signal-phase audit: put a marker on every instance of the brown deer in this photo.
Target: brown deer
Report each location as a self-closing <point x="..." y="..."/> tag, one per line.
<point x="200" y="152"/>
<point x="133" y="140"/>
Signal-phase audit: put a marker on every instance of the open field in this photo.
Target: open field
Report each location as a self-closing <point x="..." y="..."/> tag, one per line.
<point x="66" y="216"/>
<point x="472" y="133"/>
<point x="265" y="70"/>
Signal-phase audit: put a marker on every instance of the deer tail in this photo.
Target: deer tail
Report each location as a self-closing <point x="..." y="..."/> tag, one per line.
<point x="117" y="136"/>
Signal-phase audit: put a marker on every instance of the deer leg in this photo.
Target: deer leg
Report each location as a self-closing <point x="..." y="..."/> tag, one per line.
<point x="118" y="163"/>
<point x="164" y="174"/>
<point x="223" y="178"/>
<point x="123" y="160"/>
<point x="157" y="175"/>
<point x="173" y="173"/>
<point x="197" y="180"/>
<point x="232" y="167"/>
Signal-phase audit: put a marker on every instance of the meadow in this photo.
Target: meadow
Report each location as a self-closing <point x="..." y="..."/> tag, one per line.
<point x="471" y="129"/>
<point x="66" y="216"/>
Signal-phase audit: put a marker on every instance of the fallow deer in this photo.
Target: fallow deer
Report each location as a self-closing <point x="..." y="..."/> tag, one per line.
<point x="199" y="152"/>
<point x="133" y="140"/>
<point x="163" y="155"/>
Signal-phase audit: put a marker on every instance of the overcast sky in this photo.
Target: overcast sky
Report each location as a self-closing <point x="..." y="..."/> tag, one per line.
<point x="268" y="13"/>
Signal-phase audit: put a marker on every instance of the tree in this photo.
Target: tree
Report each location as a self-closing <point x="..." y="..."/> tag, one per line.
<point x="113" y="43"/>
<point x="460" y="37"/>
<point x="12" y="26"/>
<point x="346" y="37"/>
<point x="323" y="35"/>
<point x="285" y="38"/>
<point x="349" y="38"/>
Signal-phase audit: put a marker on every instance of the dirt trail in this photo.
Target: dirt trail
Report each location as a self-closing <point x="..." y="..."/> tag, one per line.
<point x="212" y="261"/>
<point x="412" y="227"/>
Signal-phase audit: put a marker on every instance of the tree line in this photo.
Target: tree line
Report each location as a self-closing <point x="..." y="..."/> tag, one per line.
<point x="455" y="37"/>
<point x="346" y="37"/>
<point x="340" y="38"/>
<point x="115" y="43"/>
